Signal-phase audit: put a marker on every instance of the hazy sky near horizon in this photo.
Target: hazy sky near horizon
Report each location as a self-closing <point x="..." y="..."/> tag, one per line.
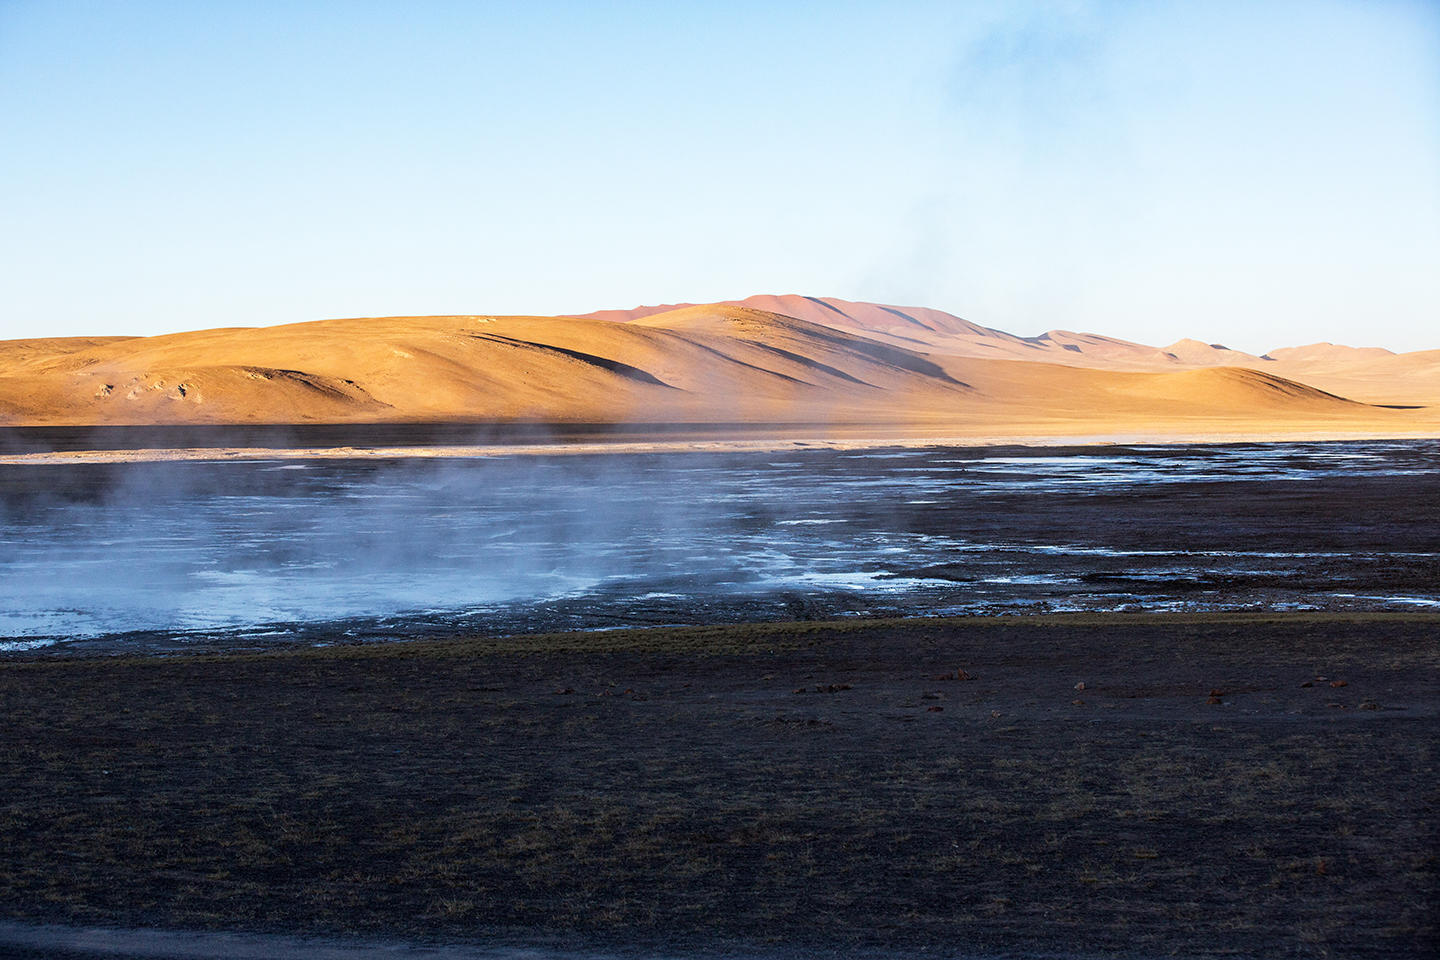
<point x="1254" y="174"/>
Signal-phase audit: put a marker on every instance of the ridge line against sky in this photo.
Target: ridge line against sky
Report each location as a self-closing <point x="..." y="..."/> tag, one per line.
<point x="1254" y="175"/>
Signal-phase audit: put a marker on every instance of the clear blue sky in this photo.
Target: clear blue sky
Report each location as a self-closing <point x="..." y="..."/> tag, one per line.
<point x="1258" y="174"/>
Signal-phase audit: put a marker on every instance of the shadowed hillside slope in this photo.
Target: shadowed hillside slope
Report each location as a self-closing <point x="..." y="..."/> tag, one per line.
<point x="1369" y="374"/>
<point x="716" y="364"/>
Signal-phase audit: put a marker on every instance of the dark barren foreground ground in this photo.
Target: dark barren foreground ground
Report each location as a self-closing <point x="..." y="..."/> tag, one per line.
<point x="789" y="789"/>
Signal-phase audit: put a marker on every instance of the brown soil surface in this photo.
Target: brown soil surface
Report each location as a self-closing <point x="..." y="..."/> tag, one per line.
<point x="1254" y="785"/>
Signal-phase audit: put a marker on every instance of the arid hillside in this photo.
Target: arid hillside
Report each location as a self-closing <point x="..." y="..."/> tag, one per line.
<point x="1367" y="374"/>
<point x="816" y="363"/>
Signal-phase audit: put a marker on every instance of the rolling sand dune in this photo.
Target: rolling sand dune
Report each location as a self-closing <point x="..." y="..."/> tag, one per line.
<point x="1368" y="374"/>
<point x="773" y="360"/>
<point x="1371" y="374"/>
<point x="915" y="328"/>
<point x="922" y="328"/>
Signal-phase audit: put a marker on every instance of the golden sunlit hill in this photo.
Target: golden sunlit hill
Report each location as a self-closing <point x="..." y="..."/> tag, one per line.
<point x="1370" y="374"/>
<point x="816" y="362"/>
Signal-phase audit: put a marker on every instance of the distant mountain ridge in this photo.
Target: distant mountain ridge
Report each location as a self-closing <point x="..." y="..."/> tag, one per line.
<point x="926" y="326"/>
<point x="1364" y="373"/>
<point x="768" y="362"/>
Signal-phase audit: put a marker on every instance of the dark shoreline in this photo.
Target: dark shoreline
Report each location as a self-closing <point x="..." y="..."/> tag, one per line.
<point x="394" y="434"/>
<point x="321" y="640"/>
<point x="790" y="787"/>
<point x="399" y="434"/>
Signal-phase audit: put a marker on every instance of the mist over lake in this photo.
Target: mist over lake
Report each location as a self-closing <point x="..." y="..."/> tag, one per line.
<point x="169" y="555"/>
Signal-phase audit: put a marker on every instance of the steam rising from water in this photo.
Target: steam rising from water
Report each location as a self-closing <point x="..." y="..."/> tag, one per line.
<point x="317" y="549"/>
<point x="201" y="546"/>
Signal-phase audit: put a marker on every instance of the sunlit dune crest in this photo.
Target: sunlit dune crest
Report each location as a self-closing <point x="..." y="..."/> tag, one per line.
<point x="764" y="361"/>
<point x="1366" y="374"/>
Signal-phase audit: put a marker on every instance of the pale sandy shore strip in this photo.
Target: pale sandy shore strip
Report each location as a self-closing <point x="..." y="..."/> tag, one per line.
<point x="590" y="448"/>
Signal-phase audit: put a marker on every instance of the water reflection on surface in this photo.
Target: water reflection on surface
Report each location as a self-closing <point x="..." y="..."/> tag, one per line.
<point x="240" y="553"/>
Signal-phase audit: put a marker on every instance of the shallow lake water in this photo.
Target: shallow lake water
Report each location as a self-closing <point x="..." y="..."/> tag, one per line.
<point x="242" y="554"/>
